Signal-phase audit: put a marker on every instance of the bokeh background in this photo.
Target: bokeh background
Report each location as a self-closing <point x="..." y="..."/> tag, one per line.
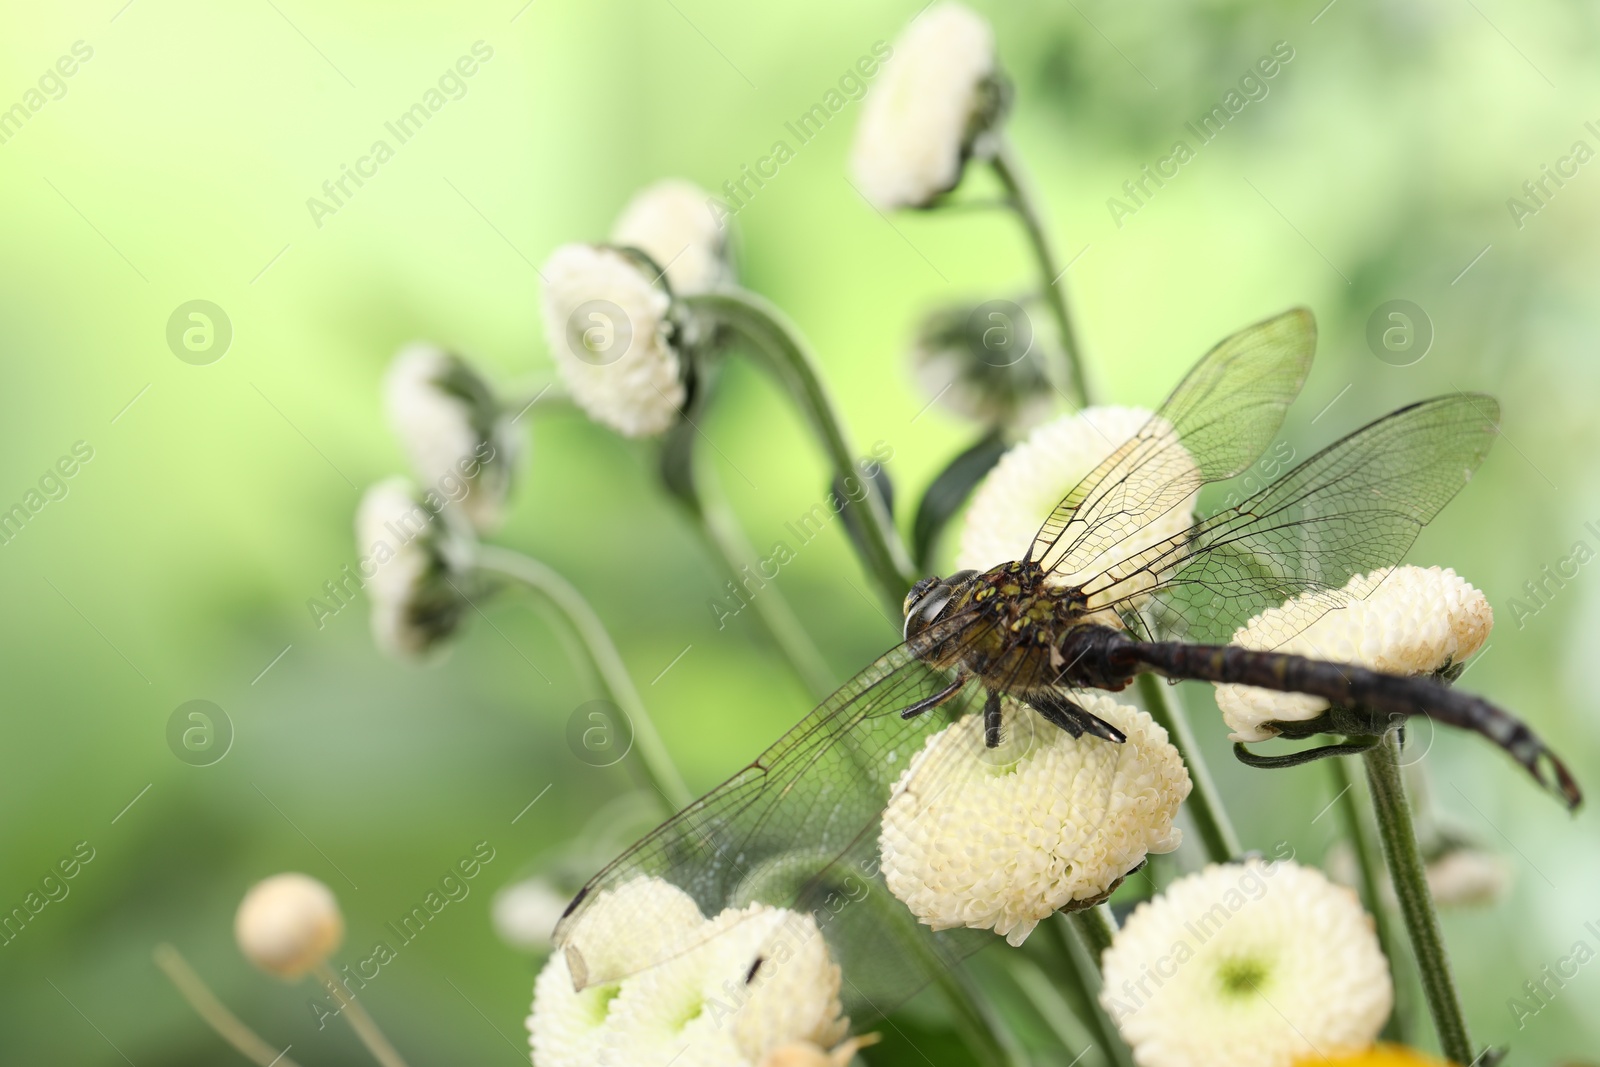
<point x="176" y="165"/>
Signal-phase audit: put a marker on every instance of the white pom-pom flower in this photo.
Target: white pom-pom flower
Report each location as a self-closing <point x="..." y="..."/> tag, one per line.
<point x="415" y="606"/>
<point x="288" y="924"/>
<point x="1253" y="965"/>
<point x="673" y="222"/>
<point x="933" y="96"/>
<point x="1001" y="838"/>
<point x="731" y="991"/>
<point x="1408" y="620"/>
<point x="1022" y="490"/>
<point x="526" y="912"/>
<point x="457" y="437"/>
<point x="607" y="326"/>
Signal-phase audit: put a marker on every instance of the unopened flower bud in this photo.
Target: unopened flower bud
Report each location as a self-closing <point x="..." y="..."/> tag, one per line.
<point x="411" y="580"/>
<point x="979" y="362"/>
<point x="674" y="223"/>
<point x="288" y="924"/>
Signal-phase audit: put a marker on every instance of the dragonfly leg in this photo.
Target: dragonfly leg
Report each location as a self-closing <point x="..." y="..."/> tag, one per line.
<point x="929" y="703"/>
<point x="1059" y="711"/>
<point x="991" y="720"/>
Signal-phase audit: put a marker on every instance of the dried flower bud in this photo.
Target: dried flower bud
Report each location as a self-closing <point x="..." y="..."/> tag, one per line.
<point x="288" y="924"/>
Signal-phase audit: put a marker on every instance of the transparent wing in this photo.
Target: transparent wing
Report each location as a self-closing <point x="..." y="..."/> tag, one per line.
<point x="799" y="829"/>
<point x="1353" y="508"/>
<point x="1217" y="422"/>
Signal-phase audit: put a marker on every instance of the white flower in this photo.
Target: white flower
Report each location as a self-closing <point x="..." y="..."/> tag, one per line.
<point x="1410" y="620"/>
<point x="526" y="912"/>
<point x="1252" y="965"/>
<point x="1017" y="497"/>
<point x="919" y="119"/>
<point x="414" y="603"/>
<point x="672" y="220"/>
<point x="606" y="323"/>
<point x="288" y="924"/>
<point x="459" y="440"/>
<point x="729" y="992"/>
<point x="1001" y="838"/>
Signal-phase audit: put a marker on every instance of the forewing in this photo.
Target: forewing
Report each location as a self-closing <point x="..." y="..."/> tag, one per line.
<point x="1217" y="422"/>
<point x="1353" y="508"/>
<point x="798" y="828"/>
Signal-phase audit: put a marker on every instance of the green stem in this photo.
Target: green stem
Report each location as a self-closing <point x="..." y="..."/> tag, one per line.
<point x="785" y="353"/>
<point x="1097" y="928"/>
<point x="1204" y="803"/>
<point x="364" y="1025"/>
<point x="723" y="532"/>
<point x="1082" y="983"/>
<point x="1369" y="861"/>
<point x="1020" y="195"/>
<point x="654" y="761"/>
<point x="1410" y="880"/>
<point x="216" y="1015"/>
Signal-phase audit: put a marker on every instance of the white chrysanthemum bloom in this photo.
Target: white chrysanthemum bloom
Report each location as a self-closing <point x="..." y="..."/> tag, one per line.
<point x="1002" y="838"/>
<point x="1408" y="620"/>
<point x="414" y="604"/>
<point x="1253" y="965"/>
<point x="288" y="924"/>
<point x="607" y="326"/>
<point x="709" y="1003"/>
<point x="1022" y="490"/>
<point x="673" y="222"/>
<point x="933" y="96"/>
<point x="459" y="440"/>
<point x="525" y="913"/>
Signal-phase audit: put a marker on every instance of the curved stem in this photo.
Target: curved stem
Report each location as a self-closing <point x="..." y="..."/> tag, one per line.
<point x="216" y="1015"/>
<point x="780" y="345"/>
<point x="653" y="759"/>
<point x="1020" y="196"/>
<point x="1082" y="974"/>
<point x="1204" y="803"/>
<point x="1369" y="861"/>
<point x="723" y="532"/>
<point x="1410" y="880"/>
<point x="362" y="1023"/>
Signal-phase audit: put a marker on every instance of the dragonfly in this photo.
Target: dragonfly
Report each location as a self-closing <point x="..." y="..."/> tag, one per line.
<point x="1110" y="588"/>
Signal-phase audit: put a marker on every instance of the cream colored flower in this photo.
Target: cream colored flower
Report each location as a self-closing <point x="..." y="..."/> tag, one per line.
<point x="673" y="222"/>
<point x="730" y="991"/>
<point x="607" y="326"/>
<point x="933" y="96"/>
<point x="1253" y="965"/>
<point x="288" y="924"/>
<point x="1408" y="620"/>
<point x="1001" y="838"/>
<point x="459" y="440"/>
<point x="408" y="576"/>
<point x="1017" y="497"/>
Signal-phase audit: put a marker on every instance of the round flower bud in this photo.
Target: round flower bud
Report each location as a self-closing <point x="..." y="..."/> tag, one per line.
<point x="415" y="600"/>
<point x="674" y="222"/>
<point x="977" y="362"/>
<point x="525" y="913"/>
<point x="458" y="438"/>
<point x="606" y="323"/>
<point x="1253" y="965"/>
<point x="936" y="94"/>
<point x="1404" y="620"/>
<point x="1467" y="877"/>
<point x="1022" y="490"/>
<point x="728" y="991"/>
<point x="288" y="924"/>
<point x="1002" y="838"/>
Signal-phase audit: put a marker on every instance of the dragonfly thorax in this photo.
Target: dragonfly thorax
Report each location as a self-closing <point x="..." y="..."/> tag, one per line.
<point x="1008" y="615"/>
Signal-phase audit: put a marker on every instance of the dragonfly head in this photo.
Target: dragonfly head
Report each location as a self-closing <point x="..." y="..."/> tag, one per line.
<point x="929" y="599"/>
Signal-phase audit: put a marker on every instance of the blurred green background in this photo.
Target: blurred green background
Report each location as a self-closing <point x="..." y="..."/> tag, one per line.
<point x="176" y="164"/>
